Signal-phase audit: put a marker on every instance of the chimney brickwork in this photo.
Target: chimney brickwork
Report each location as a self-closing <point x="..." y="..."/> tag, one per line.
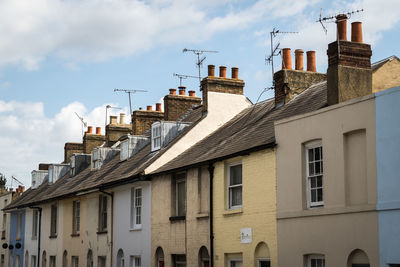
<point x="142" y="120"/>
<point x="221" y="84"/>
<point x="115" y="130"/>
<point x="177" y="105"/>
<point x="91" y="141"/>
<point x="69" y="149"/>
<point x="349" y="69"/>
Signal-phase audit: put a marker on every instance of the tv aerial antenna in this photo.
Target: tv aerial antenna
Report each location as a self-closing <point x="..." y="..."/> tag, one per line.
<point x="84" y="124"/>
<point x="275" y="50"/>
<point x="200" y="61"/>
<point x="15" y="179"/>
<point x="109" y="107"/>
<point x="181" y="77"/>
<point x="129" y="92"/>
<point x="330" y="19"/>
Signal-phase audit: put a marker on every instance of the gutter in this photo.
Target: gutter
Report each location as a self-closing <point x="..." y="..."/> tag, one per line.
<point x="112" y="223"/>
<point x="211" y="172"/>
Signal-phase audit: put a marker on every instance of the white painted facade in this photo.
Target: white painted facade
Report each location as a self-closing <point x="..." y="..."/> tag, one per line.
<point x="132" y="241"/>
<point x="5" y="218"/>
<point x="31" y="242"/>
<point x="222" y="107"/>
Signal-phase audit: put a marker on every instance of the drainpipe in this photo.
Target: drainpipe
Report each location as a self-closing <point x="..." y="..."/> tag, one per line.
<point x="211" y="172"/>
<point x="112" y="219"/>
<point x="39" y="233"/>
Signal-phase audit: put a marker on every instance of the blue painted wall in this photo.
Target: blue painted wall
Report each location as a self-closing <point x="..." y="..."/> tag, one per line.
<point x="13" y="238"/>
<point x="388" y="173"/>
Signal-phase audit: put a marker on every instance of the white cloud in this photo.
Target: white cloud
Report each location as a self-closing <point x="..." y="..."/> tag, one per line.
<point x="96" y="30"/>
<point x="28" y="137"/>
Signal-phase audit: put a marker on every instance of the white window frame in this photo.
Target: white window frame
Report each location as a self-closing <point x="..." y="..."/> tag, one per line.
<point x="315" y="257"/>
<point x="235" y="260"/>
<point x="35" y="219"/>
<point x="315" y="204"/>
<point x="229" y="200"/>
<point x="135" y="207"/>
<point x="74" y="261"/>
<point x="177" y="182"/>
<point x="156" y="135"/>
<point x="53" y="220"/>
<point x="133" y="261"/>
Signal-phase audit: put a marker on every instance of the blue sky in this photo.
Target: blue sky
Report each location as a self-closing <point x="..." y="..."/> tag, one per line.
<point x="58" y="57"/>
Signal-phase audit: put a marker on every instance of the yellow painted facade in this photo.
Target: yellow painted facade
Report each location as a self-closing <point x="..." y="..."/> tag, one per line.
<point x="387" y="76"/>
<point x="258" y="211"/>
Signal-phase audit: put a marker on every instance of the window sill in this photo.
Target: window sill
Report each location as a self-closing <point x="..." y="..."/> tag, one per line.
<point x="102" y="232"/>
<point x="75" y="235"/>
<point x="135" y="229"/>
<point x="18" y="239"/>
<point x="177" y="218"/>
<point x="53" y="236"/>
<point x="202" y="215"/>
<point x="233" y="211"/>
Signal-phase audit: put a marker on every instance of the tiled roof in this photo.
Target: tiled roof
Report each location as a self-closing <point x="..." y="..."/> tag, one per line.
<point x="252" y="128"/>
<point x="380" y="63"/>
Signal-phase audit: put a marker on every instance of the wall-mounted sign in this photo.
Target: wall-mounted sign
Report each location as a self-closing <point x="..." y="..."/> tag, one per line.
<point x="246" y="236"/>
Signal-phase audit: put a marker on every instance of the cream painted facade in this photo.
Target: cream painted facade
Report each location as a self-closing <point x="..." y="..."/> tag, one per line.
<point x="180" y="236"/>
<point x="344" y="229"/>
<point x="386" y="76"/>
<point x="247" y="233"/>
<point x="5" y="219"/>
<point x="89" y="239"/>
<point x="51" y="245"/>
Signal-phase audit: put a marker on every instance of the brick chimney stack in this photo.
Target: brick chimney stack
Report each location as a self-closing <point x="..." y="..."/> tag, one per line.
<point x="142" y="119"/>
<point x="177" y="105"/>
<point x="349" y="64"/>
<point x="91" y="140"/>
<point x="221" y="84"/>
<point x="115" y="130"/>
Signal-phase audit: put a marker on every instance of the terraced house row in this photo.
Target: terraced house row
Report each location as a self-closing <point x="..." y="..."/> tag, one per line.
<point x="307" y="178"/>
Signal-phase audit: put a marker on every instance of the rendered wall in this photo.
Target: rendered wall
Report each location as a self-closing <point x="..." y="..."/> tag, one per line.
<point x="388" y="158"/>
<point x="387" y="76"/>
<point x="258" y="210"/>
<point x="132" y="242"/>
<point x="14" y="239"/>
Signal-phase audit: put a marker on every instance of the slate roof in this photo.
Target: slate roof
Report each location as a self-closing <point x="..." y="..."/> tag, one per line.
<point x="112" y="172"/>
<point x="380" y="63"/>
<point x="252" y="128"/>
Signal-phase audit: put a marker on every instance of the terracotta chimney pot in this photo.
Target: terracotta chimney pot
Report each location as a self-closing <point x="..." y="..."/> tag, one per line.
<point x="211" y="70"/>
<point x="235" y="73"/>
<point x="172" y="91"/>
<point x="286" y="59"/>
<point x="341" y="21"/>
<point x="158" y="107"/>
<point x="182" y="90"/>
<point x="356" y="32"/>
<point x="222" y="71"/>
<point x="299" y="59"/>
<point x="89" y="129"/>
<point x="311" y="61"/>
<point x="192" y="93"/>
<point x="149" y="108"/>
<point x="98" y="130"/>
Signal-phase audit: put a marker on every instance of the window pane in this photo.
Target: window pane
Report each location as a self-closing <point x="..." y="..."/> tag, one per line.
<point x="320" y="198"/>
<point x="317" y="167"/>
<point x="311" y="155"/>
<point x="181" y="198"/>
<point x="236" y="196"/>
<point x="319" y="181"/>
<point x="310" y="168"/>
<point x="317" y="153"/>
<point x="236" y="174"/>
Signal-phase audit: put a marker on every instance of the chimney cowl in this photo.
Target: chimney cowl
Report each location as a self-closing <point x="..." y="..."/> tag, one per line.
<point x="286" y="59"/>
<point x="299" y="59"/>
<point x="211" y="70"/>
<point x="222" y="71"/>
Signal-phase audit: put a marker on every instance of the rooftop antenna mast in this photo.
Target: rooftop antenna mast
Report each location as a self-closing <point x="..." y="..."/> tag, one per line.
<point x="200" y="61"/>
<point x="109" y="107"/>
<point x="15" y="179"/>
<point x="275" y="50"/>
<point x="84" y="124"/>
<point x="129" y="92"/>
<point x="181" y="77"/>
<point x="330" y="19"/>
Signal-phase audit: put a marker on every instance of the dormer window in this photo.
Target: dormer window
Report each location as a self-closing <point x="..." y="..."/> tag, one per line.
<point x="155" y="136"/>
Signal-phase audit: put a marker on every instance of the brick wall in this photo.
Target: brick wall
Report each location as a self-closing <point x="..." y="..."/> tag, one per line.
<point x="177" y="105"/>
<point x="69" y="149"/>
<point x="91" y="141"/>
<point x="142" y="120"/>
<point x="115" y="131"/>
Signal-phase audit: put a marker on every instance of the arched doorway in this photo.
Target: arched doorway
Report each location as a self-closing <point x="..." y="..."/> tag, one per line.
<point x="358" y="258"/>
<point x="204" y="257"/>
<point x="89" y="258"/>
<point x="44" y="260"/>
<point x="65" y="259"/>
<point x="261" y="255"/>
<point x="120" y="258"/>
<point x="159" y="257"/>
